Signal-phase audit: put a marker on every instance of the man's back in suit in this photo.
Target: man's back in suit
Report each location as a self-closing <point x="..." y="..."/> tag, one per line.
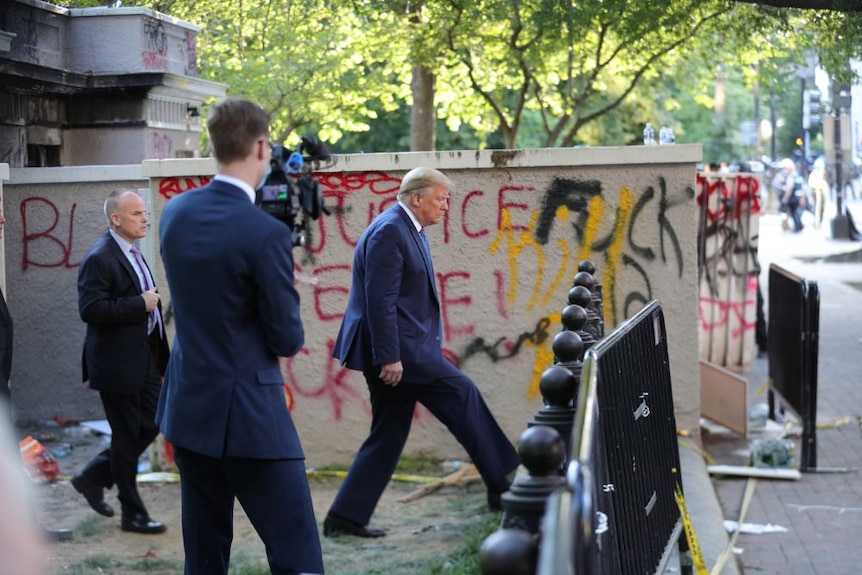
<point x="230" y="272"/>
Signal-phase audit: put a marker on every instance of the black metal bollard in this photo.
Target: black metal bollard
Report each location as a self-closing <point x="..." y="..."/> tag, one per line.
<point x="595" y="306"/>
<point x="508" y="552"/>
<point x="559" y="387"/>
<point x="589" y="328"/>
<point x="541" y="449"/>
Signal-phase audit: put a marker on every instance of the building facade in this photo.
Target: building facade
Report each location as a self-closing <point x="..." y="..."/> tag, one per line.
<point x="97" y="86"/>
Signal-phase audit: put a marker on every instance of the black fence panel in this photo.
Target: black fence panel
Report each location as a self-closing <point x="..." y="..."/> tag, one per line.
<point x="636" y="416"/>
<point x="624" y="444"/>
<point x="793" y="332"/>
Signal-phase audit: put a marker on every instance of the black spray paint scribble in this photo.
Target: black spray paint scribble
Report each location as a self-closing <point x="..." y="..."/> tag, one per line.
<point x="576" y="195"/>
<point x="495" y="350"/>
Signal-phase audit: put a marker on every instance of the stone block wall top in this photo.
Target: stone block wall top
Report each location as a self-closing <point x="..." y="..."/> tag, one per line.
<point x="130" y="40"/>
<point x="100" y="41"/>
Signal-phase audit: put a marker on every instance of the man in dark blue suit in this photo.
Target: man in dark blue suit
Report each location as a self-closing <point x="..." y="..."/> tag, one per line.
<point x="230" y="274"/>
<point x="392" y="333"/>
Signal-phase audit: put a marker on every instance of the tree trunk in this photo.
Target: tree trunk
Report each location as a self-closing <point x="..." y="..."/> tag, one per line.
<point x="423" y="119"/>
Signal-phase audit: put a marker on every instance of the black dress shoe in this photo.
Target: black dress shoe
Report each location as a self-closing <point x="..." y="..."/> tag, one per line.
<point x="94" y="495"/>
<point x="335" y="526"/>
<point x="143" y="524"/>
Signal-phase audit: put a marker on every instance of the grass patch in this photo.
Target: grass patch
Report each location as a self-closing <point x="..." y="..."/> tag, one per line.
<point x="419" y="465"/>
<point x="465" y="559"/>
<point x="92" y="527"/>
<point x="157" y="565"/>
<point x="463" y="526"/>
<point x="95" y="564"/>
<point x="242" y="564"/>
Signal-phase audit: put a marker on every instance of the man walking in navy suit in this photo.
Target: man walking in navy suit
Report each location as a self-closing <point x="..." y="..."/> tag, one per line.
<point x="392" y="333"/>
<point x="230" y="275"/>
<point x="125" y="354"/>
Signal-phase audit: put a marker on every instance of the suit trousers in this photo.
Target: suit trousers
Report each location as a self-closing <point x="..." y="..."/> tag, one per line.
<point x="274" y="494"/>
<point x="133" y="428"/>
<point x="454" y="399"/>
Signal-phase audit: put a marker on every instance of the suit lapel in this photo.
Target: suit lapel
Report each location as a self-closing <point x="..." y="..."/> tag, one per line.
<point x="117" y="252"/>
<point x="429" y="267"/>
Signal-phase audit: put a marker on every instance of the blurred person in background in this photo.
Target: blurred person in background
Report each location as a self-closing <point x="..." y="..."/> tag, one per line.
<point x="819" y="186"/>
<point x="793" y="192"/>
<point x="22" y="549"/>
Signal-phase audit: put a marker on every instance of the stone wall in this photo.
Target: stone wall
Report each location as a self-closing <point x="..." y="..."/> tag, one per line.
<point x="505" y="255"/>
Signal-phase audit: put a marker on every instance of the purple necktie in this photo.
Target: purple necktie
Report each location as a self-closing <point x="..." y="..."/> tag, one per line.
<point x="148" y="284"/>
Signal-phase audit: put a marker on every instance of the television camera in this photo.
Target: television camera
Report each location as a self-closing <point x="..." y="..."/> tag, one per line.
<point x="289" y="193"/>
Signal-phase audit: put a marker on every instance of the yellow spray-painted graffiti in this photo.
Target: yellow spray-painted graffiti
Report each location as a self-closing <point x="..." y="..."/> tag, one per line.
<point x="515" y="245"/>
<point x="614" y="254"/>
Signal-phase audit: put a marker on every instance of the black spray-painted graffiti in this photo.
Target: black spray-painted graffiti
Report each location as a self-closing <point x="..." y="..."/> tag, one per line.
<point x="619" y="246"/>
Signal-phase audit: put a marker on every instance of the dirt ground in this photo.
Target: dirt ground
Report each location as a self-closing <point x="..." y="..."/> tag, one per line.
<point x="420" y="533"/>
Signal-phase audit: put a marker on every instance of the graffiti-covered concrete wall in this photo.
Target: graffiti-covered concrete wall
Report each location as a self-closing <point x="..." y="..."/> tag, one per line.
<point x="53" y="216"/>
<point x="729" y="214"/>
<point x="505" y="255"/>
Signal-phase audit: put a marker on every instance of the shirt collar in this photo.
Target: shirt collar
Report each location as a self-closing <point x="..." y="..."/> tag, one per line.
<point x="124" y="245"/>
<point x="238" y="183"/>
<point x="412" y="216"/>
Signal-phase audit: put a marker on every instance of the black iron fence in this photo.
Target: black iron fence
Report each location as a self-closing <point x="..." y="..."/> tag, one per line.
<point x="614" y="512"/>
<point x="793" y="336"/>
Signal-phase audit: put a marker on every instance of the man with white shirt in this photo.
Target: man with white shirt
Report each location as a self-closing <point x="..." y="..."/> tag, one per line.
<point x="230" y="274"/>
<point x="125" y="355"/>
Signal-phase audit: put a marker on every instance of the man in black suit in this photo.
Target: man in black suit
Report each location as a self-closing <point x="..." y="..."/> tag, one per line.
<point x="229" y="267"/>
<point x="125" y="354"/>
<point x="5" y="344"/>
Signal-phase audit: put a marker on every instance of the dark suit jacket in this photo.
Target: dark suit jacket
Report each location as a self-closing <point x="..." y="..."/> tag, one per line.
<point x="5" y="343"/>
<point x="393" y="312"/>
<point x="230" y="272"/>
<point x="109" y="301"/>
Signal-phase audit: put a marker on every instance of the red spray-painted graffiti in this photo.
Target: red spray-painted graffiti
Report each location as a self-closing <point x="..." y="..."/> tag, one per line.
<point x="517" y="231"/>
<point x="44" y="214"/>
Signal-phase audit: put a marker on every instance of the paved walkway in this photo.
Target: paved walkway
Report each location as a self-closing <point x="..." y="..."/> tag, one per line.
<point x="821" y="512"/>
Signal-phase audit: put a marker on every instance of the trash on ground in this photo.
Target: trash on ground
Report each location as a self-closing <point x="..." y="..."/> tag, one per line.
<point x="38" y="460"/>
<point x="753" y="528"/>
<point x="747" y="471"/>
<point x="772" y="452"/>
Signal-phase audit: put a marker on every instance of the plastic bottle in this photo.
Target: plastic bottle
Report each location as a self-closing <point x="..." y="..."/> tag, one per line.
<point x="663" y="138"/>
<point x="77" y="431"/>
<point x="649" y="135"/>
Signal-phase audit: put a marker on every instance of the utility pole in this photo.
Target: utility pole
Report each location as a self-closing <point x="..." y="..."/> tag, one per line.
<point x="840" y="103"/>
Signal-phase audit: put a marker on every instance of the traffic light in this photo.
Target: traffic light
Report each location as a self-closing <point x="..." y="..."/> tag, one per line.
<point x="810" y="109"/>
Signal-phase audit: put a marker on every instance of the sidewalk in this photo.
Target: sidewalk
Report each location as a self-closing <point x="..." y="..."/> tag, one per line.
<point x="821" y="512"/>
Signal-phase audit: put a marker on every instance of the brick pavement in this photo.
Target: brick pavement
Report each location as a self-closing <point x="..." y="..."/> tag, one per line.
<point x="823" y="510"/>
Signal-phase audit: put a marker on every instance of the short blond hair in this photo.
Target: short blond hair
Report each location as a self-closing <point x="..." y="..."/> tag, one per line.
<point x="421" y="181"/>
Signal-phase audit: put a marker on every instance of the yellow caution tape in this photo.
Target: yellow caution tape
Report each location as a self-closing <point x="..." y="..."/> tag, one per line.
<point x="746" y="501"/>
<point x="690" y="536"/>
<point x="710" y="460"/>
<point x="840" y="422"/>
